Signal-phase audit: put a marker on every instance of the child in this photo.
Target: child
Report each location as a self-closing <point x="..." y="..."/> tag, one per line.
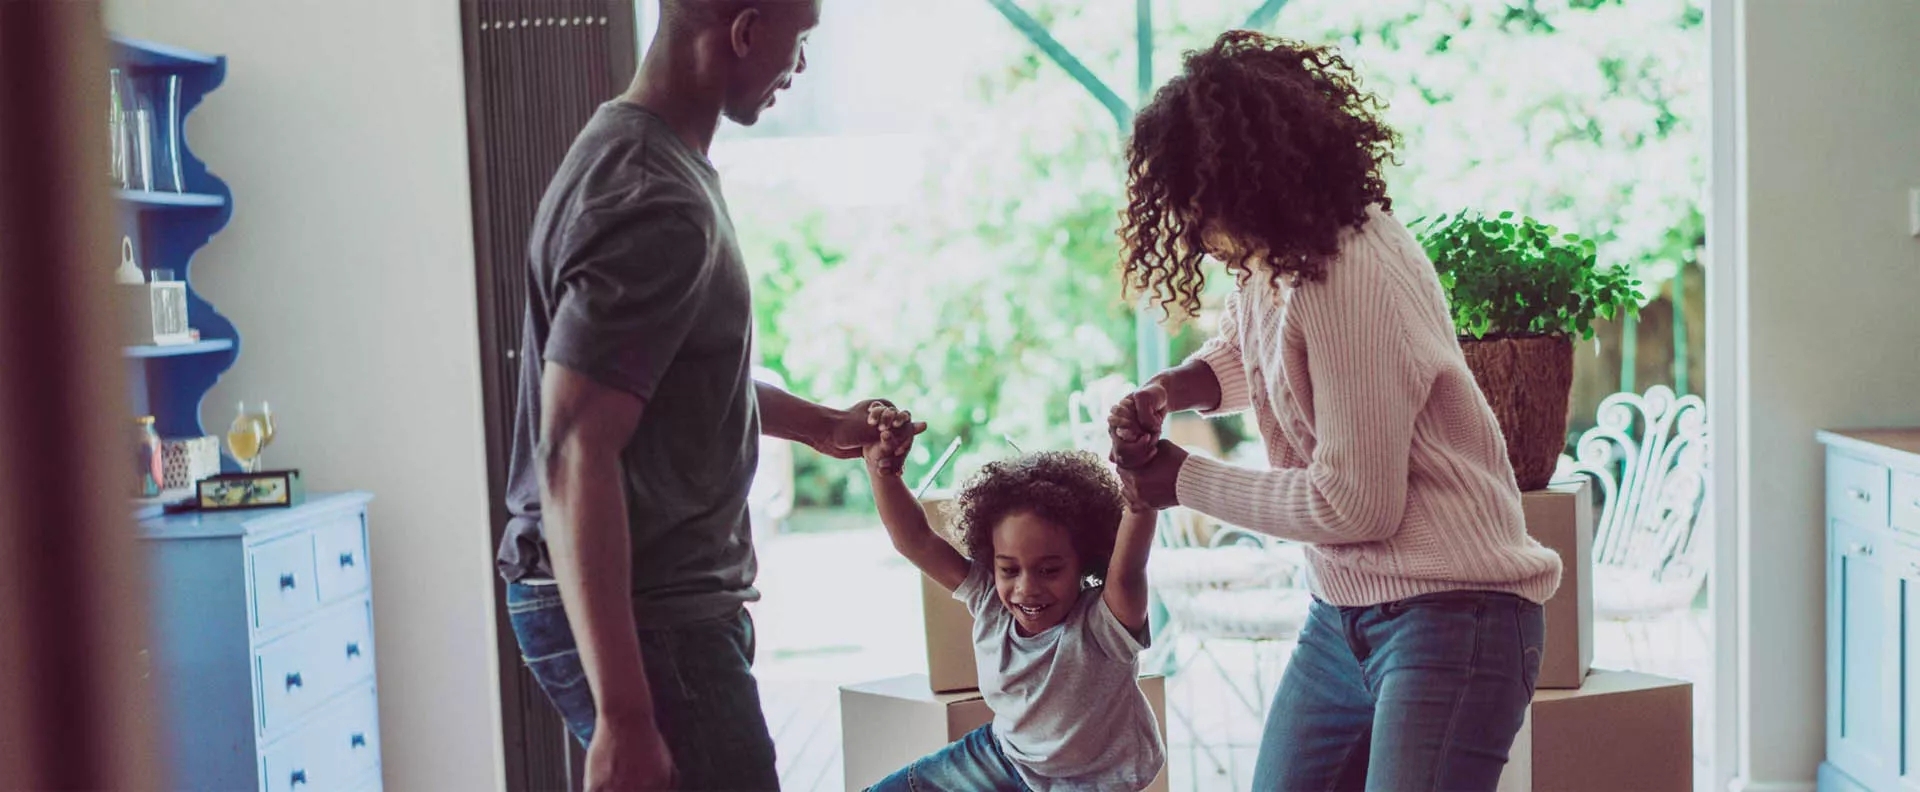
<point x="1057" y="586"/>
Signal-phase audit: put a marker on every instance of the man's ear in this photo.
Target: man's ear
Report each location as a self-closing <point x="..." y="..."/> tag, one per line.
<point x="744" y="30"/>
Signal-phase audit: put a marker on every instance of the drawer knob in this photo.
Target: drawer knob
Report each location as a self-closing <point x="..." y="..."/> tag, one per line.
<point x="294" y="681"/>
<point x="358" y="741"/>
<point x="299" y="778"/>
<point x="1861" y="549"/>
<point x="287" y="581"/>
<point x="353" y="649"/>
<point x="346" y="560"/>
<point x="1859" y="494"/>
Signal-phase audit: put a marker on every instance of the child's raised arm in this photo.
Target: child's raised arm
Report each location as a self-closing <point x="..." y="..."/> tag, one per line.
<point x="900" y="512"/>
<point x="1126" y="590"/>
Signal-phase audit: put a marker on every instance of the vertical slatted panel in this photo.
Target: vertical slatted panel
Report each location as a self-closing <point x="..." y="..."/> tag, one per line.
<point x="536" y="70"/>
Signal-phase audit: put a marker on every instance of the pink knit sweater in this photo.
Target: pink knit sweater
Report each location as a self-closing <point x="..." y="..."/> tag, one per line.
<point x="1386" y="460"/>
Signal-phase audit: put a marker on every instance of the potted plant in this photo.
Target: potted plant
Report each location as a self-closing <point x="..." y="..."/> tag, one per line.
<point x="1520" y="292"/>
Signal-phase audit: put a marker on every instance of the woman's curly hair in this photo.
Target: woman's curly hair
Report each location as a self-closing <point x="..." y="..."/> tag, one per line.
<point x="1071" y="489"/>
<point x="1271" y="142"/>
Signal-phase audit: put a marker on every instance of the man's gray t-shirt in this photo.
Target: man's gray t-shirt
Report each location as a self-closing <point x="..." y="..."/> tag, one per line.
<point x="636" y="281"/>
<point x="1067" y="706"/>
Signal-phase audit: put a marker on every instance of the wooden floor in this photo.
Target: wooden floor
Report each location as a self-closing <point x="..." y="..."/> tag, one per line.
<point x="841" y="608"/>
<point x="805" y="719"/>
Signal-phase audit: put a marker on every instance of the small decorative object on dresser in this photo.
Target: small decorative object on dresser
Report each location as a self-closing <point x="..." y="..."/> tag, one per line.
<point x="261" y="489"/>
<point x="262" y="647"/>
<point x="188" y="460"/>
<point x="1873" y="610"/>
<point x="1520" y="292"/>
<point x="149" y="467"/>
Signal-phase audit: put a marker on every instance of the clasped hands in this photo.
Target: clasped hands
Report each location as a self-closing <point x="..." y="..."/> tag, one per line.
<point x="1149" y="465"/>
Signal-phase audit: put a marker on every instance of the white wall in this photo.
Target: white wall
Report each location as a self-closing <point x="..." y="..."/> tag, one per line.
<point x="1831" y="146"/>
<point x="348" y="268"/>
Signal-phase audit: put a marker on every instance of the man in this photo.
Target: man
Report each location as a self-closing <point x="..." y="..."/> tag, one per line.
<point x="638" y="426"/>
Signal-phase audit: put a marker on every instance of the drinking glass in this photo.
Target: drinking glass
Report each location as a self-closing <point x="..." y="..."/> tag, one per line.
<point x="243" y="438"/>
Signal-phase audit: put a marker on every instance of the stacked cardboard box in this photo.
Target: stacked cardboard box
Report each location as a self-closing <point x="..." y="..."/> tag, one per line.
<point x="1561" y="518"/>
<point x="949" y="627"/>
<point x="1592" y="729"/>
<point x="888" y="723"/>
<point x="1621" y="730"/>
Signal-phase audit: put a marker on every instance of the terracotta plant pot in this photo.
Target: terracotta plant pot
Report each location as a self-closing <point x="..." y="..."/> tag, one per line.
<point x="1528" y="380"/>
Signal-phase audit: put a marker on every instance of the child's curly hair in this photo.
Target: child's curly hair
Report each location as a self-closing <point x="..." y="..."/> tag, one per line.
<point x="1270" y="139"/>
<point x="1071" y="489"/>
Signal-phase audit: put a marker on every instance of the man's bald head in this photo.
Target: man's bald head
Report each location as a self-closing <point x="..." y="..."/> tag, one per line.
<point x="686" y="15"/>
<point x="755" y="46"/>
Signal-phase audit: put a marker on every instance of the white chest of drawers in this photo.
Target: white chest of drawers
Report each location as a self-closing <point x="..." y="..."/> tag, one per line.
<point x="261" y="649"/>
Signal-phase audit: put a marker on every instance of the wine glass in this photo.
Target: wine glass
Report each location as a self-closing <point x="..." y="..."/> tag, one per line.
<point x="244" y="437"/>
<point x="265" y="420"/>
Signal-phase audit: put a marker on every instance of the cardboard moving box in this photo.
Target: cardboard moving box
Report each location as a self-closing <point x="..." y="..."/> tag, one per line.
<point x="950" y="664"/>
<point x="1561" y="517"/>
<point x="1620" y="731"/>
<point x="887" y="724"/>
<point x="949" y="627"/>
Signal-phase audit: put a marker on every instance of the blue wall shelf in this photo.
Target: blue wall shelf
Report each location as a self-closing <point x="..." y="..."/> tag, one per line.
<point x="177" y="350"/>
<point x="167" y="200"/>
<point x="137" y="54"/>
<point x="167" y="228"/>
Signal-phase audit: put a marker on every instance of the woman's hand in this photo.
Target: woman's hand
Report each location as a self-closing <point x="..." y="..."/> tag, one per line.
<point x="1153" y="484"/>
<point x="1135" y="424"/>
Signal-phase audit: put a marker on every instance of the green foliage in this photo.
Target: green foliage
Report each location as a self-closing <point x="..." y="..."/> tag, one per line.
<point x="1589" y="115"/>
<point x="1508" y="276"/>
<point x="981" y="300"/>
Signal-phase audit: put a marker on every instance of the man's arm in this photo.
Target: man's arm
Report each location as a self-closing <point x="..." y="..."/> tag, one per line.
<point x="837" y="433"/>
<point x="584" y="519"/>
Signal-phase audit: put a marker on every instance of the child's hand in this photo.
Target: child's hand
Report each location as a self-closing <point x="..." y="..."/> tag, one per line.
<point x="888" y="454"/>
<point x="1134" y="426"/>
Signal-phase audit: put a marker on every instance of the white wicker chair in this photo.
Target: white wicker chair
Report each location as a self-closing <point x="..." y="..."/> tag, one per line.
<point x="1647" y="457"/>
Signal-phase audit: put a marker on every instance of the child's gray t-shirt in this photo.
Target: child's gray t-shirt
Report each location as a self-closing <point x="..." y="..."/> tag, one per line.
<point x="1067" y="706"/>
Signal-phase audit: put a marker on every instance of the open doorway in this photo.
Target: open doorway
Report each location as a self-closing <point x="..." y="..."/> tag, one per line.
<point x="910" y="197"/>
<point x="907" y="202"/>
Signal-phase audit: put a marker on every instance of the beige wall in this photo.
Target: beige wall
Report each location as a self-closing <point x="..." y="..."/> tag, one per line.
<point x="1832" y="145"/>
<point x="348" y="268"/>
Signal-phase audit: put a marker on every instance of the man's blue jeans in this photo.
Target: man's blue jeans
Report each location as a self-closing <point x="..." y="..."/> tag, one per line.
<point x="1425" y="693"/>
<point x="705" y="698"/>
<point x="973" y="763"/>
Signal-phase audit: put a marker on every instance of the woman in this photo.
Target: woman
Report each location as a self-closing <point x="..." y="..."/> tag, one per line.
<point x="1421" y="647"/>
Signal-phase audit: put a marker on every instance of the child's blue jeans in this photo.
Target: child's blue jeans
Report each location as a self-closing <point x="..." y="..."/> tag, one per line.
<point x="1421" y="693"/>
<point x="973" y="763"/>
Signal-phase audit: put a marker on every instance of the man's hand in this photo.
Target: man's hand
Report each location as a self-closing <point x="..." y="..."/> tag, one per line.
<point x="1135" y="424"/>
<point x="627" y="756"/>
<point x="887" y="454"/>
<point x="851" y="432"/>
<point x="1152" y="485"/>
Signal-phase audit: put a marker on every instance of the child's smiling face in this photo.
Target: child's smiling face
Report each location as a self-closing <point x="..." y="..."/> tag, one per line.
<point x="1036" y="571"/>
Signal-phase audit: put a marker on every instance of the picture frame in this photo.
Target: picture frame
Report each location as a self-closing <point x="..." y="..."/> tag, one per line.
<point x="268" y="489"/>
<point x="156" y="313"/>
